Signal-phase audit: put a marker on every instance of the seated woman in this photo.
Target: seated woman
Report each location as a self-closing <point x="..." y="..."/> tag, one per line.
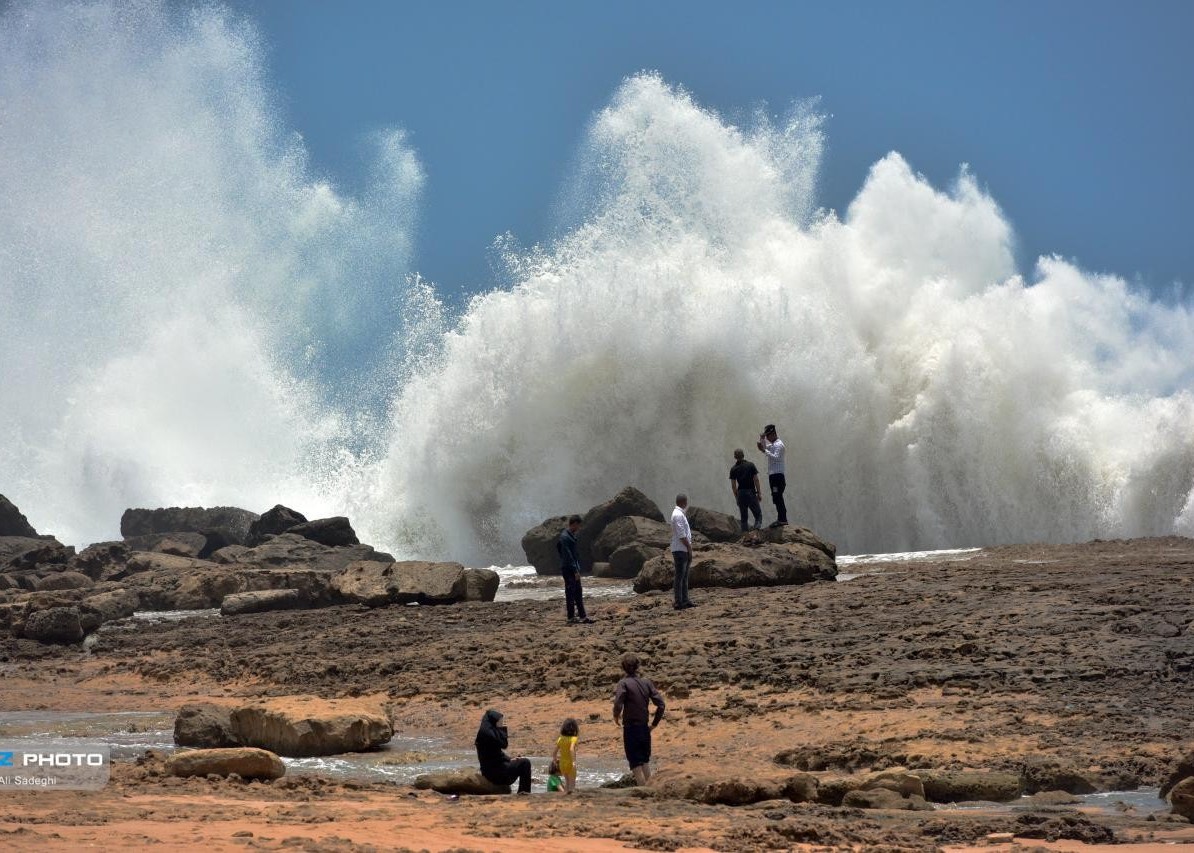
<point x="496" y="766"/>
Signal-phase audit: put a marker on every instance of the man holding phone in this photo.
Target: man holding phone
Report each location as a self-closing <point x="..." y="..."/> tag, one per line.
<point x="770" y="443"/>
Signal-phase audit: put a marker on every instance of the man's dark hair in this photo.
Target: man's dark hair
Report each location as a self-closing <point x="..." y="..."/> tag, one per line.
<point x="575" y="519"/>
<point x="738" y="454"/>
<point x="571" y="728"/>
<point x="630" y="663"/>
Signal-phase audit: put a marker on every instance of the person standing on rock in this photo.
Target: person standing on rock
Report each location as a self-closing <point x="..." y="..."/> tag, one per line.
<point x="744" y="479"/>
<point x="569" y="551"/>
<point x="681" y="553"/>
<point x="769" y="442"/>
<point x="496" y="766"/>
<point x="632" y="698"/>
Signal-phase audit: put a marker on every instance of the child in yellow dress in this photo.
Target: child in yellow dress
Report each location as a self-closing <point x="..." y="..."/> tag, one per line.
<point x="565" y="753"/>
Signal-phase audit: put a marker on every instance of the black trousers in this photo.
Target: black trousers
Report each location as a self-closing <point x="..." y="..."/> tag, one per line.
<point x="573" y="595"/>
<point x="778" y="483"/>
<point x="515" y="768"/>
<point x="748" y="500"/>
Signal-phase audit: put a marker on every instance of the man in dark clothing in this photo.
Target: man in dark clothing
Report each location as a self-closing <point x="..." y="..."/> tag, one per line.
<point x="496" y="766"/>
<point x="569" y="552"/>
<point x="744" y="477"/>
<point x="631" y="698"/>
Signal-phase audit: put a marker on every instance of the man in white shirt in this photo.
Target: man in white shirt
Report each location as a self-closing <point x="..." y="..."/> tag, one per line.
<point x="769" y="442"/>
<point x="681" y="552"/>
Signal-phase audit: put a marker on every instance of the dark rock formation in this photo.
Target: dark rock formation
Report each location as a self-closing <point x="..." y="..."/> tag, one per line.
<point x="231" y="521"/>
<point x="13" y="522"/>
<point x="480" y="584"/>
<point x="54" y="625"/>
<point x="539" y="544"/>
<point x="714" y="526"/>
<point x="180" y="544"/>
<point x="272" y="522"/>
<point x="957" y="786"/>
<point x="333" y="532"/>
<point x="19" y="553"/>
<point x="629" y="501"/>
<point x="292" y="550"/>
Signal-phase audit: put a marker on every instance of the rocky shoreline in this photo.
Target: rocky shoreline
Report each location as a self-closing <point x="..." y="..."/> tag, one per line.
<point x="838" y="715"/>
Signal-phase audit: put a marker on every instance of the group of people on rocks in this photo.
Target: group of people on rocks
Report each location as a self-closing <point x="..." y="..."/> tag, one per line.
<point x="633" y="698"/>
<point x="744" y="482"/>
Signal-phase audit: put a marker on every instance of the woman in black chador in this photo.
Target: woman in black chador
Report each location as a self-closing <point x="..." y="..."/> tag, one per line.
<point x="496" y="766"/>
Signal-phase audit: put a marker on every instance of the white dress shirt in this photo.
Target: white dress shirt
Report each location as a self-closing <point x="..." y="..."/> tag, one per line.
<point x="680" y="530"/>
<point x="775" y="455"/>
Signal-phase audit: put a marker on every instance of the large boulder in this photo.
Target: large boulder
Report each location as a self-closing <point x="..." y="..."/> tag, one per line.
<point x="230" y="521"/>
<point x="333" y="532"/>
<point x="631" y="530"/>
<point x="61" y="625"/>
<point x="789" y="535"/>
<point x="205" y="588"/>
<point x="1043" y="773"/>
<point x="736" y="565"/>
<point x="112" y="605"/>
<point x="539" y="544"/>
<point x="481" y="584"/>
<point x="18" y="606"/>
<point x="13" y="521"/>
<point x="713" y="525"/>
<point x="629" y="560"/>
<point x="101" y="561"/>
<point x="245" y="762"/>
<point x="884" y="798"/>
<point x="629" y="501"/>
<point x="64" y="580"/>
<point x="272" y="522"/>
<point x="260" y="601"/>
<point x="23" y="553"/>
<point x="293" y="551"/>
<point x="377" y="584"/>
<point x="1184" y="769"/>
<point x="295" y="726"/>
<point x="957" y="786"/>
<point x="459" y="782"/>
<point x="205" y="725"/>
<point x="732" y="790"/>
<point x="180" y="544"/>
<point x="1181" y="798"/>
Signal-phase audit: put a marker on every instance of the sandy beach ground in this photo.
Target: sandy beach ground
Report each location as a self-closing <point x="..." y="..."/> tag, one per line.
<point x="981" y="660"/>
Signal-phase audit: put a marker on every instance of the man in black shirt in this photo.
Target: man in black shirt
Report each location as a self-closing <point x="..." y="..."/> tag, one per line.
<point x="745" y="479"/>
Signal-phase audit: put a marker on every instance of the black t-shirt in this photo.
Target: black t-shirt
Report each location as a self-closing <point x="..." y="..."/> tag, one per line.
<point x="744" y="472"/>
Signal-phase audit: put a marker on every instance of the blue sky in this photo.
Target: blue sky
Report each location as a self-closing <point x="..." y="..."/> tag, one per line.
<point x="1078" y="117"/>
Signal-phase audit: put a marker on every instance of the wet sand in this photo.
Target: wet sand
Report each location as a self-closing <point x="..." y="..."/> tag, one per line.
<point x="976" y="660"/>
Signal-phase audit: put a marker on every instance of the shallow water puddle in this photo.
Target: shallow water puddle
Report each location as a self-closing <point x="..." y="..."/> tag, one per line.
<point x="400" y="761"/>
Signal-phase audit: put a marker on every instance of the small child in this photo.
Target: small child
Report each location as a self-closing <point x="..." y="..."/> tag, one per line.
<point x="565" y="751"/>
<point x="553" y="777"/>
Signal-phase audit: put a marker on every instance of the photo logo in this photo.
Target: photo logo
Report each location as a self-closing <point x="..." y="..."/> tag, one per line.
<point x="46" y="763"/>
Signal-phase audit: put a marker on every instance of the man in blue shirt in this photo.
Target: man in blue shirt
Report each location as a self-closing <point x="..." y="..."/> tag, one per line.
<point x="569" y="552"/>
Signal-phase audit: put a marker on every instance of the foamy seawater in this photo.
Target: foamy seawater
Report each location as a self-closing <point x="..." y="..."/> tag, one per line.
<point x="523" y="583"/>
